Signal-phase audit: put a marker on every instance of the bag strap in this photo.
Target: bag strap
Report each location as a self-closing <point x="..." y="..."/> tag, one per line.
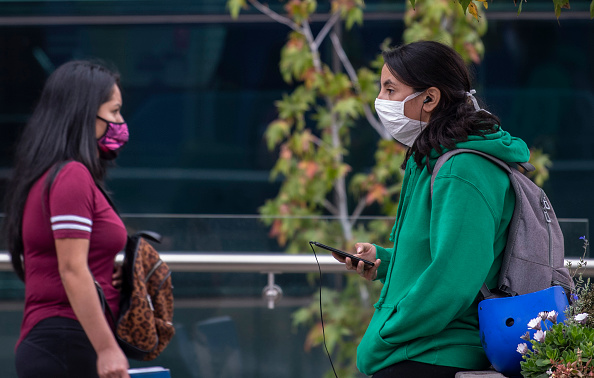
<point x="505" y="166"/>
<point x="103" y="301"/>
<point x="485" y="292"/>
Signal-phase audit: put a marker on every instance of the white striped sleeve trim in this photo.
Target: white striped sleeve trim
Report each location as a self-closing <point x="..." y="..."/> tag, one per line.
<point x="71" y="218"/>
<point x="70" y="226"/>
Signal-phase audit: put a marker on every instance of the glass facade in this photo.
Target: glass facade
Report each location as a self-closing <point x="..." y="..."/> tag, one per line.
<point x="199" y="88"/>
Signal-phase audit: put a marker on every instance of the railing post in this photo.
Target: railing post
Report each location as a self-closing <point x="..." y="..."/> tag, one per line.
<point x="272" y="293"/>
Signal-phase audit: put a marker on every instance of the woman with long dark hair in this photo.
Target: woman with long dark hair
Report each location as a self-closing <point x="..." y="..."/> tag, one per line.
<point x="446" y="244"/>
<point x="61" y="230"/>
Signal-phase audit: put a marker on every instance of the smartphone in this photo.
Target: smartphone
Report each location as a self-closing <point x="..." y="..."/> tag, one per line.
<point x="354" y="259"/>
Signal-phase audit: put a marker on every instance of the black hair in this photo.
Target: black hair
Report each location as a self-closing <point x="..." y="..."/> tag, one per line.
<point x="61" y="128"/>
<point x="425" y="64"/>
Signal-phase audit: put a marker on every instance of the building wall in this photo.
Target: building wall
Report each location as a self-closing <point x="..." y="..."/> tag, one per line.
<point x="199" y="89"/>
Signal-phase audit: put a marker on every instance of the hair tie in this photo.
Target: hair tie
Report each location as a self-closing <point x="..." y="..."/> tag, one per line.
<point x="473" y="99"/>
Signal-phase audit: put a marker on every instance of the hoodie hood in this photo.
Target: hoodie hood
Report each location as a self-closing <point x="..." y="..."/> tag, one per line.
<point x="499" y="144"/>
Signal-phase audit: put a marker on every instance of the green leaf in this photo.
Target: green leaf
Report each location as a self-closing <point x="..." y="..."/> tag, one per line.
<point x="543" y="362"/>
<point x="592" y="10"/>
<point x="348" y="108"/>
<point x="412" y="3"/>
<point x="558" y="5"/>
<point x="235" y="6"/>
<point x="464" y="4"/>
<point x="355" y="15"/>
<point x="520" y="7"/>
<point x="296" y="58"/>
<point x="295" y="105"/>
<point x="276" y="132"/>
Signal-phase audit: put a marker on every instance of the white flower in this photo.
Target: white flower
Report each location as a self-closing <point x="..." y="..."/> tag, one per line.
<point x="549" y="372"/>
<point x="522" y="348"/>
<point x="540" y="335"/>
<point x="581" y="318"/>
<point x="543" y="315"/>
<point x="552" y="316"/>
<point x="534" y="323"/>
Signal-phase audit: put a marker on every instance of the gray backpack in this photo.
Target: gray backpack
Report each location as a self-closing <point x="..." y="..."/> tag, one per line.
<point x="534" y="258"/>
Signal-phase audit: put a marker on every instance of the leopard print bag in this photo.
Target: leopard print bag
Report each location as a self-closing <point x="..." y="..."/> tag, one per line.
<point x="144" y="326"/>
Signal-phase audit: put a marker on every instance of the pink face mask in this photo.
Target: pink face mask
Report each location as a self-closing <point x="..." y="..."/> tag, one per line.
<point x="115" y="137"/>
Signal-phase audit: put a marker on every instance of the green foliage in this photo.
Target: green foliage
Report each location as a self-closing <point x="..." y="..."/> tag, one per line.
<point x="559" y="4"/>
<point x="296" y="58"/>
<point x="235" y="7"/>
<point x="447" y="22"/>
<point x="541" y="163"/>
<point x="563" y="345"/>
<point x="350" y="11"/>
<point x="567" y="348"/>
<point x="312" y="137"/>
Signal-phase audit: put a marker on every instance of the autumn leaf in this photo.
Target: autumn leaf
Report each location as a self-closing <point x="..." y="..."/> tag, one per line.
<point x="485" y="3"/>
<point x="472" y="53"/>
<point x="311" y="78"/>
<point x="342" y="5"/>
<point x="377" y="193"/>
<point x="276" y="232"/>
<point x="314" y="336"/>
<point x="473" y="10"/>
<point x="299" y="10"/>
<point x="309" y="167"/>
<point x="285" y="152"/>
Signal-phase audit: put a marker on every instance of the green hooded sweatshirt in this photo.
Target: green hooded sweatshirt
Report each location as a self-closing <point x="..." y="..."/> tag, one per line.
<point x="445" y="247"/>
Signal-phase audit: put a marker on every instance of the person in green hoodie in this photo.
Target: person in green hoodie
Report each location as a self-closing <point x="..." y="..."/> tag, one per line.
<point x="425" y="322"/>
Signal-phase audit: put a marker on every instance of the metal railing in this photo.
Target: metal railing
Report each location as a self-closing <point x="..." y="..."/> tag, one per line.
<point x="268" y="263"/>
<point x="262" y="263"/>
<point x="235" y="262"/>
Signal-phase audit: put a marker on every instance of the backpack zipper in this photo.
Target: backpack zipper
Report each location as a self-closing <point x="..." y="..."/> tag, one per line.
<point x="545" y="207"/>
<point x="148" y="276"/>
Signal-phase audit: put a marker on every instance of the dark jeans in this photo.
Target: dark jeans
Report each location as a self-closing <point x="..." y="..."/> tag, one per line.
<point x="57" y="348"/>
<point x="413" y="369"/>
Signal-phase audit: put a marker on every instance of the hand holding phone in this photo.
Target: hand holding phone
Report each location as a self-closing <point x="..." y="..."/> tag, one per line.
<point x="355" y="260"/>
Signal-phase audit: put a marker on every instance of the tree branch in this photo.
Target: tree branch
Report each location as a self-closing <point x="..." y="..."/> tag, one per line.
<point x="275" y="16"/>
<point x="377" y="125"/>
<point x="329" y="24"/>
<point x="358" y="211"/>
<point x="330" y="207"/>
<point x="345" y="60"/>
<point x="319" y="142"/>
<point x="315" y="55"/>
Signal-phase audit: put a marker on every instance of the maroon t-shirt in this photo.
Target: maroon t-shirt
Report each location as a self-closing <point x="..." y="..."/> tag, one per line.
<point x="75" y="208"/>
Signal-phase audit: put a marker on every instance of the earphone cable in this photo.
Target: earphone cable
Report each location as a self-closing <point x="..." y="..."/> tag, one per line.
<point x="321" y="314"/>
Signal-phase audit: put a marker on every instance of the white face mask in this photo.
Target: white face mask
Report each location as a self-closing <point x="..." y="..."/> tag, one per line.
<point x="402" y="128"/>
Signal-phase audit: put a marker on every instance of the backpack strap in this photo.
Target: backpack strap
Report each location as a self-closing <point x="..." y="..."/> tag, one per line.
<point x="443" y="158"/>
<point x="484" y="292"/>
